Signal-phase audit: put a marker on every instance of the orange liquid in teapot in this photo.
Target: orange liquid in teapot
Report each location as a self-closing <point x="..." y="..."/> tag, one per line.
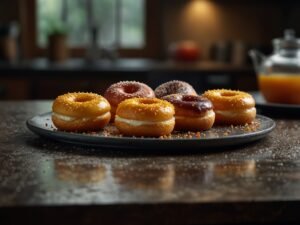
<point x="280" y="88"/>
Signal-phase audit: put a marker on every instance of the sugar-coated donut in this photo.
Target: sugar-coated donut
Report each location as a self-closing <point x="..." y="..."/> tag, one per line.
<point x="174" y="87"/>
<point x="145" y="117"/>
<point x="80" y="112"/>
<point x="192" y="112"/>
<point x="120" y="91"/>
<point x="232" y="107"/>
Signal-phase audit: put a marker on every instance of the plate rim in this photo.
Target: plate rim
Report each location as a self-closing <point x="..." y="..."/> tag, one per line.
<point x="59" y="134"/>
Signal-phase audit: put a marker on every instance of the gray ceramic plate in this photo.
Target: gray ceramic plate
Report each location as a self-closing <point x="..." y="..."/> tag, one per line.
<point x="215" y="137"/>
<point x="275" y="109"/>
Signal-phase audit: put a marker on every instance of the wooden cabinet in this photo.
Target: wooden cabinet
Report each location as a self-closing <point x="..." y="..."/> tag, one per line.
<point x="14" y="89"/>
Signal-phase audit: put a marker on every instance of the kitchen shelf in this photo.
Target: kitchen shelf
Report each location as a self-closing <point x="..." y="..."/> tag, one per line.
<point x="41" y="79"/>
<point x="78" y="66"/>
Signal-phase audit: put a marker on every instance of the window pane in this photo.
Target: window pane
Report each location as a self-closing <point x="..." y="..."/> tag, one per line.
<point x="76" y="22"/>
<point x="132" y="23"/>
<point x="71" y="15"/>
<point x="48" y="15"/>
<point x="105" y="13"/>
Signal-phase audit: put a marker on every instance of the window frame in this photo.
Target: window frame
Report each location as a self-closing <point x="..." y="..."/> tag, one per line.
<point x="153" y="33"/>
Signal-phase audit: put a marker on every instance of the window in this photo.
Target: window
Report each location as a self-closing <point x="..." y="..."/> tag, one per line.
<point x="119" y="23"/>
<point x="134" y="27"/>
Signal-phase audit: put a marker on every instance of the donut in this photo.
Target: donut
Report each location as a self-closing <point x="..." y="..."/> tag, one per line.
<point x="80" y="112"/>
<point x="232" y="107"/>
<point x="174" y="87"/>
<point x="145" y="117"/>
<point x="120" y="91"/>
<point x="192" y="112"/>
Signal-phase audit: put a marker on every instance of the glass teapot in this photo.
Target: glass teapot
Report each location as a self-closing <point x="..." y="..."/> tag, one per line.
<point x="279" y="74"/>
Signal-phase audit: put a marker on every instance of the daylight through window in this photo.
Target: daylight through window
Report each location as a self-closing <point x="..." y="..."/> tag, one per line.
<point x="118" y="23"/>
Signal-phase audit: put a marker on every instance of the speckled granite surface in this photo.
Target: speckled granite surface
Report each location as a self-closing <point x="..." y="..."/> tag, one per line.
<point x="264" y="175"/>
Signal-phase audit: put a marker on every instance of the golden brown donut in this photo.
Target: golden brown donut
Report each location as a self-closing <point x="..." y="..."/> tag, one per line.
<point x="192" y="112"/>
<point x="122" y="90"/>
<point x="145" y="117"/>
<point x="232" y="107"/>
<point x="174" y="87"/>
<point x="80" y="112"/>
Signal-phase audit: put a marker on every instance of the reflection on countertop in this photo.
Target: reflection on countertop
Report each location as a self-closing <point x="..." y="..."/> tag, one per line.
<point x="79" y="172"/>
<point x="145" y="176"/>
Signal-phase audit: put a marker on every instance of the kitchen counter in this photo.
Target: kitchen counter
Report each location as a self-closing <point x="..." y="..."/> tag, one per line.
<point x="44" y="182"/>
<point x="77" y="65"/>
<point x="30" y="79"/>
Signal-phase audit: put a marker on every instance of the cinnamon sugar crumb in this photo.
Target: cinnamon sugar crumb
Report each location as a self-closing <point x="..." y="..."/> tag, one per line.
<point x="215" y="132"/>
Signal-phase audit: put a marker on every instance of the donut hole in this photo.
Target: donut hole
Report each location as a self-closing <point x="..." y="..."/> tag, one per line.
<point x="228" y="94"/>
<point x="130" y="89"/>
<point x="81" y="99"/>
<point x="148" y="101"/>
<point x="189" y="98"/>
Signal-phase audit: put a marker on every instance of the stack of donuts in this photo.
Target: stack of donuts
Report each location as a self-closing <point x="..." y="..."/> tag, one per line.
<point x="136" y="110"/>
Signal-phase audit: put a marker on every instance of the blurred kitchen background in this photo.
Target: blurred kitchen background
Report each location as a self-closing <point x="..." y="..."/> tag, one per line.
<point x="49" y="47"/>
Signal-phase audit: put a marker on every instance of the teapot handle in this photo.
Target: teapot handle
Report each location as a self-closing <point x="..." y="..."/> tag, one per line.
<point x="258" y="59"/>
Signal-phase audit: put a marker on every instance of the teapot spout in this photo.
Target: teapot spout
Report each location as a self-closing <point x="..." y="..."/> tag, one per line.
<point x="258" y="59"/>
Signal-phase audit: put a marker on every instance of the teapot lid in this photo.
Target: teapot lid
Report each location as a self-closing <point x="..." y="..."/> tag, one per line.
<point x="288" y="41"/>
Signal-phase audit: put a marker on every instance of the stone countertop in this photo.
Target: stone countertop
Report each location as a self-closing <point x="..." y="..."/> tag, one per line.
<point x="255" y="183"/>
